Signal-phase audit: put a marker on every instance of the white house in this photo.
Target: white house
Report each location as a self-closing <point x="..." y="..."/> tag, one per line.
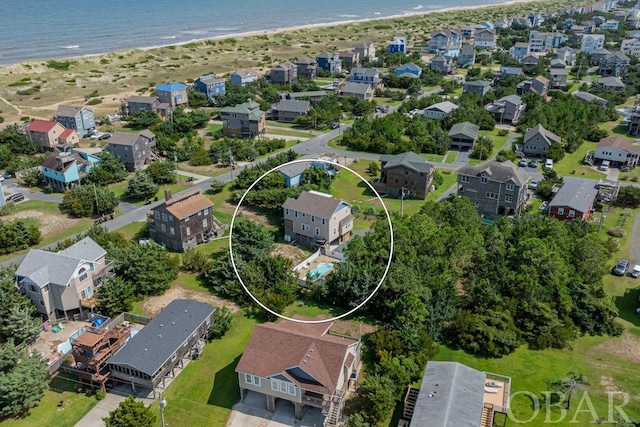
<point x="591" y="42"/>
<point x="618" y="151"/>
<point x="440" y="110"/>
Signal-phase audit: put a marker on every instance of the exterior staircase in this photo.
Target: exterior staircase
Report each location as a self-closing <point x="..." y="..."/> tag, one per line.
<point x="410" y="403"/>
<point x="333" y="414"/>
<point x="487" y="416"/>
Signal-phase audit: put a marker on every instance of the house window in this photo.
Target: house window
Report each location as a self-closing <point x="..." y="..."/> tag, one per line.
<point x="560" y="211"/>
<point x="274" y="385"/>
<point x="157" y="215"/>
<point x="164" y="217"/>
<point x="83" y="294"/>
<point x="304" y="215"/>
<point x="572" y="213"/>
<point x="324" y="221"/>
<point x="205" y="223"/>
<point x="256" y="380"/>
<point x="187" y="218"/>
<point x="483" y="179"/>
<point x="476" y="204"/>
<point x="163" y="227"/>
<point x="335" y="230"/>
<point x="170" y="218"/>
<point x="317" y="231"/>
<point x="206" y="211"/>
<point x="508" y="199"/>
<point x="247" y="378"/>
<point x="291" y="389"/>
<point x="172" y="231"/>
<point x="188" y="231"/>
<point x="286" y="211"/>
<point x="295" y="214"/>
<point x="304" y="227"/>
<point x="313" y="218"/>
<point x="493" y="196"/>
<point x="41" y="303"/>
<point x="89" y="291"/>
<point x="283" y="387"/>
<point x="199" y="213"/>
<point x="464" y="178"/>
<point x="510" y="187"/>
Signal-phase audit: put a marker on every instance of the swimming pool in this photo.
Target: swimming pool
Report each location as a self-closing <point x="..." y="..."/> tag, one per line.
<point x="322" y="269"/>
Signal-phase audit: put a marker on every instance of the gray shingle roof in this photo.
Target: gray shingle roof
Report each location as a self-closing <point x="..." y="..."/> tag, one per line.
<point x="465" y="128"/>
<point x="611" y="82"/>
<point x="85" y="249"/>
<point x="451" y="395"/>
<point x="150" y="348"/>
<point x="513" y="99"/>
<point x="142" y="99"/>
<point x="540" y="130"/>
<point x="409" y="160"/>
<point x="294" y="106"/>
<point x="314" y="203"/>
<point x="576" y="194"/>
<point x="444" y="106"/>
<point x="499" y="172"/>
<point x="294" y="170"/>
<point x="588" y="97"/>
<point x="68" y="110"/>
<point x="358" y="88"/>
<point x="478" y="83"/>
<point x="467" y="49"/>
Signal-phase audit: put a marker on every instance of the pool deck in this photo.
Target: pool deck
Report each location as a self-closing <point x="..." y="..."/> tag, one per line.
<point x="302" y="273"/>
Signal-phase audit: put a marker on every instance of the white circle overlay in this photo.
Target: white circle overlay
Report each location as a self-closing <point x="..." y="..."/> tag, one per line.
<point x="282" y="316"/>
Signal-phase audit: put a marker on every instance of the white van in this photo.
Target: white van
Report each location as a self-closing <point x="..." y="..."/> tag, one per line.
<point x="548" y="164"/>
<point x="604" y="166"/>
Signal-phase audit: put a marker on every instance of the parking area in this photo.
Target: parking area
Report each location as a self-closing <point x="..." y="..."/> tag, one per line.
<point x="252" y="412"/>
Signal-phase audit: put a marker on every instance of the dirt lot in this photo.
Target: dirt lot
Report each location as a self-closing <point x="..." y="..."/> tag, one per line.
<point x="626" y="347"/>
<point x="295" y="254"/>
<point x="50" y="224"/>
<point x="153" y="305"/>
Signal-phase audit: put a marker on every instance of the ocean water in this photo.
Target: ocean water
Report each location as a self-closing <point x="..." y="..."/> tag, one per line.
<point x="45" y="29"/>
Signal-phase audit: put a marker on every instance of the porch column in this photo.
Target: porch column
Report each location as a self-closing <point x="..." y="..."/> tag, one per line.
<point x="298" y="410"/>
<point x="271" y="403"/>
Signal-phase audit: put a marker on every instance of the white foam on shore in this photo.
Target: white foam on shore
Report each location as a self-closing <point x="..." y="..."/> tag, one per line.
<point x="75" y="46"/>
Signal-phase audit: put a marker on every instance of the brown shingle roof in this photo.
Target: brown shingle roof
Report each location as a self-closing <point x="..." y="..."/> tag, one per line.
<point x="619" y="143"/>
<point x="313" y="204"/>
<point x="188" y="204"/>
<point x="61" y="162"/>
<point x="280" y="349"/>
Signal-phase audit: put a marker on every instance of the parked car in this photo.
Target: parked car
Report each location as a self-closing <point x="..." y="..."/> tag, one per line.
<point x="636" y="271"/>
<point x="523" y="163"/>
<point x="621" y="268"/>
<point x="335" y="125"/>
<point x="7" y="175"/>
<point x="17" y="197"/>
<point x="533" y="163"/>
<point x="548" y="164"/>
<point x="604" y="166"/>
<point x="104" y="136"/>
<point x="533" y="184"/>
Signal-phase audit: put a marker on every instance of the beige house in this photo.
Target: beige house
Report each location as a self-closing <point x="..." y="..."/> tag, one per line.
<point x="47" y="134"/>
<point x="62" y="284"/>
<point x="301" y="363"/>
<point x="317" y="219"/>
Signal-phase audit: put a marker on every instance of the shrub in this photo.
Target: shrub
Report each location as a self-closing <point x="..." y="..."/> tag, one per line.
<point x="355" y="209"/>
<point x="194" y="261"/>
<point x="635" y="178"/>
<point x="503" y="132"/>
<point x="216" y="186"/>
<point x="59" y="65"/>
<point x="8" y="209"/>
<point x="370" y="211"/>
<point x="100" y="394"/>
<point x="617" y="232"/>
<point x="95" y="101"/>
<point x="221" y="324"/>
<point x="623" y="177"/>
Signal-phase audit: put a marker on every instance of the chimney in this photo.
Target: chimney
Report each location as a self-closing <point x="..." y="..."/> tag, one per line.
<point x="167" y="194"/>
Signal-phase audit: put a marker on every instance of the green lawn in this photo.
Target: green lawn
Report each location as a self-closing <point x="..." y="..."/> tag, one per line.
<point x="130" y="230"/>
<point x="118" y="190"/>
<point x="212" y="129"/>
<point x="289" y="132"/>
<point x="449" y="179"/>
<point x="571" y="165"/>
<point x="47" y="413"/>
<point x="451" y="156"/>
<point x="207" y="388"/>
<point x="498" y="144"/>
<point x="434" y="158"/>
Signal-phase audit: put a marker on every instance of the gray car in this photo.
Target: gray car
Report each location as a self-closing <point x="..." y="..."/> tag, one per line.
<point x="621" y="268"/>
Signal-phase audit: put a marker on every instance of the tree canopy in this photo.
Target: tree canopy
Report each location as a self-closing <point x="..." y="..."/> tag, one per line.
<point x="130" y="413"/>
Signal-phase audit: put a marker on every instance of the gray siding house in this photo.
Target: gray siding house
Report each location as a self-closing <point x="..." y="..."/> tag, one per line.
<point x="538" y="140"/>
<point x="406" y="175"/>
<point x="244" y="120"/>
<point x="300" y="363"/>
<point x="467" y="56"/>
<point x="74" y="117"/>
<point x="316" y="219"/>
<point x="243" y="77"/>
<point x="287" y="111"/>
<point x="495" y="189"/>
<point x="142" y="103"/>
<point x="135" y="150"/>
<point x="508" y="109"/>
<point x="443" y="64"/>
<point x="479" y="87"/>
<point x="284" y="74"/>
<point x="464" y="135"/>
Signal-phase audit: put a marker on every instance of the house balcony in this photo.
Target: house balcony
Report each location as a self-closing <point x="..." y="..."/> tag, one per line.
<point x="316" y="400"/>
<point x="104" y="273"/>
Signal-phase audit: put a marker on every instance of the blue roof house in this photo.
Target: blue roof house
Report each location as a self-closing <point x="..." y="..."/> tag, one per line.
<point x="173" y="94"/>
<point x="398" y="44"/>
<point x="409" y="70"/>
<point x="210" y="86"/>
<point x="64" y="170"/>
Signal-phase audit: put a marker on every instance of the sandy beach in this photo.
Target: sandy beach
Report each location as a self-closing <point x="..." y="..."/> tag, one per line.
<point x="34" y="89"/>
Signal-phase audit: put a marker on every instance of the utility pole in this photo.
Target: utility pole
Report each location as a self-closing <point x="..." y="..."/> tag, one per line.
<point x="95" y="193"/>
<point x="231" y="163"/>
<point x="402" y="201"/>
<point x="163" y="404"/>
<point x="175" y="162"/>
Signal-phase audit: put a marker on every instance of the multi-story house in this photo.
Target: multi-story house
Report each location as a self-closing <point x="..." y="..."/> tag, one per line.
<point x="134" y="104"/>
<point x="49" y="135"/>
<point x="409" y="70"/>
<point x="173" y="94"/>
<point x="485" y="38"/>
<point x="519" y="50"/>
<point x="468" y="32"/>
<point x="591" y="42"/>
<point x="329" y="61"/>
<point x="287" y="110"/>
<point x="611" y="25"/>
<point x="508" y="109"/>
<point x="479" y="87"/>
<point x="349" y="58"/>
<point x="316" y="219"/>
<point x="356" y="90"/>
<point x="537" y="141"/>
<point x="575" y="199"/>
<point x="440" y="110"/>
<point x="464" y="135"/>
<point x="610" y="83"/>
<point x="405" y="175"/>
<point x="544" y="42"/>
<point x="369" y="76"/>
<point x="598" y="55"/>
<point x="567" y="54"/>
<point x="467" y="56"/>
<point x="80" y="119"/>
<point x="619" y="151"/>
<point x="244" y="120"/>
<point x="210" y="86"/>
<point x="307" y="67"/>
<point x="442" y="38"/>
<point x="443" y="64"/>
<point x="398" y="44"/>
<point x="300" y="363"/>
<point x="67" y="169"/>
<point x="283" y="74"/>
<point x="510" y="71"/>
<point x="134" y="150"/>
<point x="184" y="221"/>
<point x="558" y="78"/>
<point x="61" y="284"/>
<point x="630" y="47"/>
<point x="366" y="51"/>
<point x="538" y="85"/>
<point x="615" y="64"/>
<point x="496" y="189"/>
<point x="243" y="77"/>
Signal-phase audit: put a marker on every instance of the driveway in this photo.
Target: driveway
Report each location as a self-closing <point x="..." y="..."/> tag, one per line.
<point x="252" y="412"/>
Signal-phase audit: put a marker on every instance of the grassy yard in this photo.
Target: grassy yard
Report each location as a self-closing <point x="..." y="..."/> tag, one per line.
<point x="118" y="190"/>
<point x="47" y="413"/>
<point x="498" y="144"/>
<point x="451" y="157"/>
<point x="130" y="230"/>
<point x="205" y="391"/>
<point x="434" y="158"/>
<point x="289" y="132"/>
<point x="571" y="165"/>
